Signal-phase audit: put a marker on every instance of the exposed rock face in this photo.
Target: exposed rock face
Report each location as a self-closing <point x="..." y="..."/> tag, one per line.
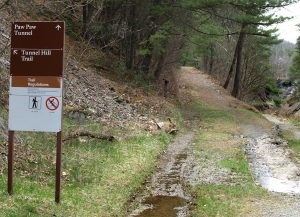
<point x="3" y="129"/>
<point x="297" y="115"/>
<point x="87" y="91"/>
<point x="290" y="98"/>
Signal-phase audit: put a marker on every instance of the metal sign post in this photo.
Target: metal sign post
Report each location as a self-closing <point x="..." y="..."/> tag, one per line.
<point x="10" y="158"/>
<point x="58" y="166"/>
<point x="36" y="86"/>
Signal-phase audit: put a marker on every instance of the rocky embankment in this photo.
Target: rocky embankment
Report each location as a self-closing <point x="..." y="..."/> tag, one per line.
<point x="290" y="99"/>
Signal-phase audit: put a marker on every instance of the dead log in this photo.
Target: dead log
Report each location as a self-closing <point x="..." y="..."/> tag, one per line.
<point x="77" y="134"/>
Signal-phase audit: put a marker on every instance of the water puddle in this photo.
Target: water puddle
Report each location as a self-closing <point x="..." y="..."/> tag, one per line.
<point x="281" y="186"/>
<point x="270" y="158"/>
<point x="163" y="206"/>
<point x="273" y="166"/>
<point x="165" y="195"/>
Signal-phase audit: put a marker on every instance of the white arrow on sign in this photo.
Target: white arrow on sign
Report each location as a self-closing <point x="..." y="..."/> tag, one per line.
<point x="15" y="52"/>
<point x="58" y="27"/>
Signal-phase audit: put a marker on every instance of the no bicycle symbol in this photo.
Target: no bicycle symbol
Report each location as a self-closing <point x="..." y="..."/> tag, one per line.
<point x="52" y="103"/>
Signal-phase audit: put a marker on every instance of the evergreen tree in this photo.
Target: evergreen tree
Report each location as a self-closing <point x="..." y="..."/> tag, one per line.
<point x="295" y="68"/>
<point x="245" y="18"/>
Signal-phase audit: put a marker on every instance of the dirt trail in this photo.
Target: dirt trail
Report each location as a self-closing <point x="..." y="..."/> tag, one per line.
<point x="166" y="195"/>
<point x="202" y="87"/>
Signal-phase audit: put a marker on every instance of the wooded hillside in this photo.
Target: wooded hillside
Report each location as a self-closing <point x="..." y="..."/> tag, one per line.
<point x="226" y="38"/>
<point x="281" y="59"/>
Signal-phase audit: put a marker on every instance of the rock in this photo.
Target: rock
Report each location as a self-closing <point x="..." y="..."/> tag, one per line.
<point x="82" y="140"/>
<point x="3" y="129"/>
<point x="160" y="125"/>
<point x="93" y="111"/>
<point x="290" y="109"/>
<point x="78" y="116"/>
<point x="294" y="108"/>
<point x="5" y="36"/>
<point x="297" y="115"/>
<point x="168" y="126"/>
<point x="87" y="89"/>
<point x="152" y="128"/>
<point x="4" y="62"/>
<point x="120" y="99"/>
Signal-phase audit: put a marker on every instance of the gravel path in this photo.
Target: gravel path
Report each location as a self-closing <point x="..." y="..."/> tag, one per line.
<point x="280" y="206"/>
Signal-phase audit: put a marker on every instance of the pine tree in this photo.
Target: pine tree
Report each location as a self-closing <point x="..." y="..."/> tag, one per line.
<point x="295" y="68"/>
<point x="249" y="18"/>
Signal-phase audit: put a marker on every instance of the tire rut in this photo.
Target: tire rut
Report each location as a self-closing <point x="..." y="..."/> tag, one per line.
<point x="166" y="194"/>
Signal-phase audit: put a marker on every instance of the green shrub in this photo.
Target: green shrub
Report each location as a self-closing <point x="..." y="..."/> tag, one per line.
<point x="271" y="88"/>
<point x="277" y="101"/>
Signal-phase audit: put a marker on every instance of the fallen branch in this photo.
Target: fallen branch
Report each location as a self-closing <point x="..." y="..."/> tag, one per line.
<point x="75" y="135"/>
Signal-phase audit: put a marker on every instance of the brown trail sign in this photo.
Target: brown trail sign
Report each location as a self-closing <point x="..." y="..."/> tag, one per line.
<point x="36" y="86"/>
<point x="37" y="48"/>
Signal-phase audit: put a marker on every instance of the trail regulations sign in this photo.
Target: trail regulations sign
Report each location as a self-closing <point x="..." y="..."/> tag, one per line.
<point x="35" y="99"/>
<point x="36" y="86"/>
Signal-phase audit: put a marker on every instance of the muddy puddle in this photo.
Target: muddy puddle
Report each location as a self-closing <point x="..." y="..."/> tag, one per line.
<point x="166" y="195"/>
<point x="163" y="206"/>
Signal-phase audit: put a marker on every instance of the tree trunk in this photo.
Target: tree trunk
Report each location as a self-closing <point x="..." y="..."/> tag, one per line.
<point x="211" y="59"/>
<point x="237" y="78"/>
<point x="205" y="63"/>
<point x="232" y="66"/>
<point x="130" y="39"/>
<point x="146" y="63"/>
<point x="87" y="10"/>
<point x="159" y="67"/>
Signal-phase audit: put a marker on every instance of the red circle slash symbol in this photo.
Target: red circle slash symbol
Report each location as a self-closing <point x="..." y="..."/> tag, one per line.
<point x="52" y="103"/>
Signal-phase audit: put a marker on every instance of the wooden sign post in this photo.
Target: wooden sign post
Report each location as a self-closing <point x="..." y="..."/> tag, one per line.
<point x="36" y="86"/>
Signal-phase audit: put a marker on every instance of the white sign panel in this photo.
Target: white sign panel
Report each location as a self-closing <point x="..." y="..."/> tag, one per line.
<point x="35" y="109"/>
